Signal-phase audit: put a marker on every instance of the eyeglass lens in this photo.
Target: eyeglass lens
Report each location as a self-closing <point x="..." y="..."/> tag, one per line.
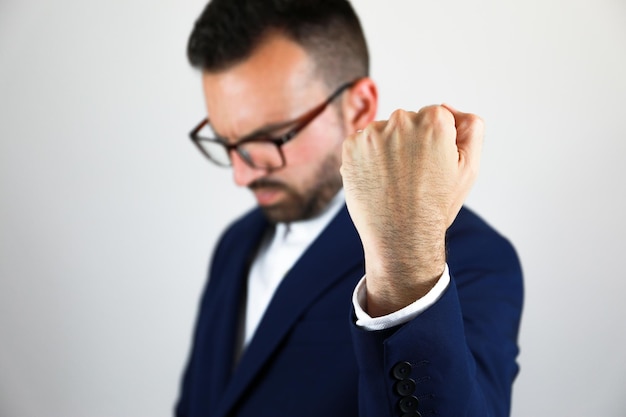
<point x="262" y="155"/>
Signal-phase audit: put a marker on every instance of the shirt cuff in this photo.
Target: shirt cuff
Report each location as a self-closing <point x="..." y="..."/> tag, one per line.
<point x="406" y="314"/>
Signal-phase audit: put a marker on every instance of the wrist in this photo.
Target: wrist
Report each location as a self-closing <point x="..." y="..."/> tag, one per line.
<point x="393" y="286"/>
<point x="401" y="268"/>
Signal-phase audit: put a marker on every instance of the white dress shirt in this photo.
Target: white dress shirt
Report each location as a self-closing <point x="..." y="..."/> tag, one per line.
<point x="280" y="251"/>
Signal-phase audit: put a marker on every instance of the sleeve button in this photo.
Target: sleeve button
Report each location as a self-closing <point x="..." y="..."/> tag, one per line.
<point x="408" y="404"/>
<point x="402" y="370"/>
<point x="405" y="387"/>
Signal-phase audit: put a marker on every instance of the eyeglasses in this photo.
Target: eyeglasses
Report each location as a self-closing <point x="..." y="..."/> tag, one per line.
<point x="260" y="150"/>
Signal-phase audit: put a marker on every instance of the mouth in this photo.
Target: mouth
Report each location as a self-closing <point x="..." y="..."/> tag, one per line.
<point x="266" y="196"/>
<point x="267" y="192"/>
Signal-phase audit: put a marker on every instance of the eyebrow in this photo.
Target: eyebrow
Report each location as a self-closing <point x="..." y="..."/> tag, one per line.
<point x="264" y="130"/>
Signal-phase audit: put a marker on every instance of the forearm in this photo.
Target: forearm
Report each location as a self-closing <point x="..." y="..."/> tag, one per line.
<point x="451" y="376"/>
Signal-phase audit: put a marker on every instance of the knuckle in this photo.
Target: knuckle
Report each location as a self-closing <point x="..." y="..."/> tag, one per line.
<point x="477" y="122"/>
<point x="400" y="119"/>
<point x="438" y="115"/>
<point x="375" y="126"/>
<point x="473" y="125"/>
<point x="372" y="130"/>
<point x="398" y="115"/>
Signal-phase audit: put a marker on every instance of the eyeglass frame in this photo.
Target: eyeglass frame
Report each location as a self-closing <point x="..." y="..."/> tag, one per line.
<point x="300" y="123"/>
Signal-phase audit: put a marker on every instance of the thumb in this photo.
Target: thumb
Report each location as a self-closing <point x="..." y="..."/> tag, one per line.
<point x="469" y="139"/>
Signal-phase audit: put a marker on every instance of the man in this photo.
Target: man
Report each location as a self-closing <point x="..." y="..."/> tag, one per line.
<point x="436" y="293"/>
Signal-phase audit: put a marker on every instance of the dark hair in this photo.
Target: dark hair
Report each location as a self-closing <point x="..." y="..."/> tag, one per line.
<point x="228" y="31"/>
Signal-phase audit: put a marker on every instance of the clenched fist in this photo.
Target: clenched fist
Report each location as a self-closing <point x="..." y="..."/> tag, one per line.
<point x="405" y="181"/>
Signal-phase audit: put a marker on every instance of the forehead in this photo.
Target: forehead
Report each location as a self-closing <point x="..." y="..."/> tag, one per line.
<point x="275" y="84"/>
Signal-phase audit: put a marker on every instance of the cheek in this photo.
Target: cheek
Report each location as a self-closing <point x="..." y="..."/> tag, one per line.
<point x="310" y="151"/>
<point x="315" y="145"/>
<point x="303" y="154"/>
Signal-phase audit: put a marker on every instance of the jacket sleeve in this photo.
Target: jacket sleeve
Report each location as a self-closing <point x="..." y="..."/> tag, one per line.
<point x="457" y="358"/>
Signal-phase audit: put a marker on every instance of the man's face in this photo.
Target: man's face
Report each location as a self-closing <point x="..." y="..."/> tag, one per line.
<point x="277" y="84"/>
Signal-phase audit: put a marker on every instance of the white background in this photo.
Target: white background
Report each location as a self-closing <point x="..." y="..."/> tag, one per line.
<point x="108" y="214"/>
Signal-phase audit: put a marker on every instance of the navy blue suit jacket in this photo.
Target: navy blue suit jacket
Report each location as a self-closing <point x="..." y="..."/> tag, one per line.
<point x="308" y="358"/>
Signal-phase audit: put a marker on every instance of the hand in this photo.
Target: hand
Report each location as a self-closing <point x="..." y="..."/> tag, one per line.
<point x="405" y="181"/>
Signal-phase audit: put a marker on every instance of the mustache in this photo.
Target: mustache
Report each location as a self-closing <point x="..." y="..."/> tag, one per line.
<point x="267" y="183"/>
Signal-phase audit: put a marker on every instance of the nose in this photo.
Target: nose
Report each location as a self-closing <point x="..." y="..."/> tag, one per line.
<point x="243" y="174"/>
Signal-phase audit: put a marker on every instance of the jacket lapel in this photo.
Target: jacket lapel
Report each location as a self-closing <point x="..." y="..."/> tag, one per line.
<point x="224" y="309"/>
<point x="335" y="252"/>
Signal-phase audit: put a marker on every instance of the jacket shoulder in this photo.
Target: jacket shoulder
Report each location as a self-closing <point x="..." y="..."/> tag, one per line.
<point x="472" y="242"/>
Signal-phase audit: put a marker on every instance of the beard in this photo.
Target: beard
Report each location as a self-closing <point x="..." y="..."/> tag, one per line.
<point x="308" y="203"/>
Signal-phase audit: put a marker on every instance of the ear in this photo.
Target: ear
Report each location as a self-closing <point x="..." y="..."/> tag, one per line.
<point x="360" y="105"/>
